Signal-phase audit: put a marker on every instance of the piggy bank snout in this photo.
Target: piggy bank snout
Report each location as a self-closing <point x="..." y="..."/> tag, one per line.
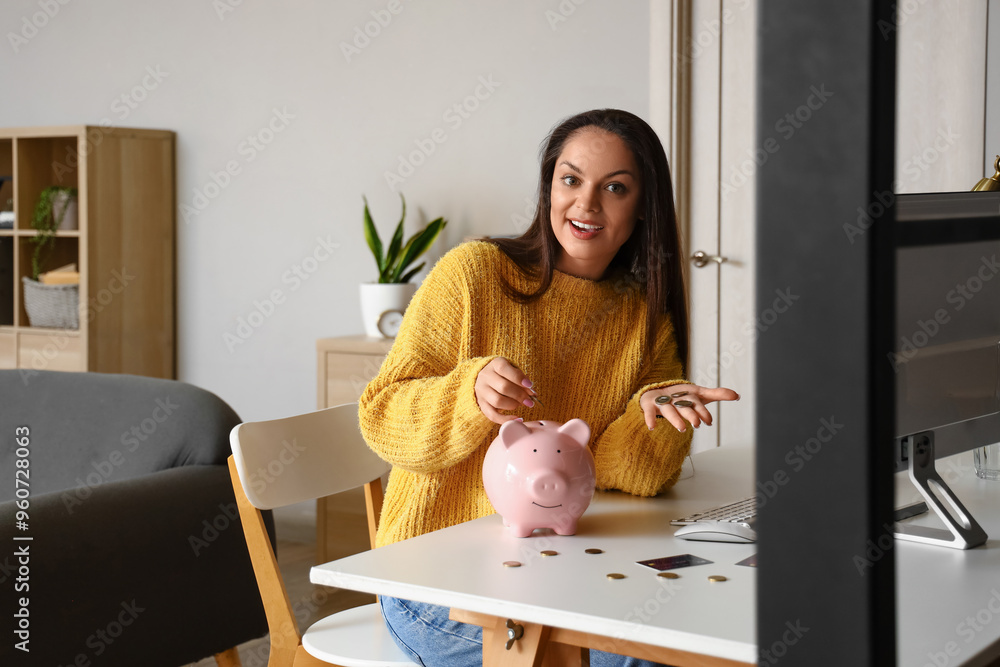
<point x="548" y="486"/>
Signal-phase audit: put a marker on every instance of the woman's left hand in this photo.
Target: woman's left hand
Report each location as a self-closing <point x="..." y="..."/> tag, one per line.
<point x="681" y="415"/>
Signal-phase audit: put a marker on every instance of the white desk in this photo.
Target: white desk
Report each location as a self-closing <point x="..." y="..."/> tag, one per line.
<point x="939" y="589"/>
<point x="460" y="567"/>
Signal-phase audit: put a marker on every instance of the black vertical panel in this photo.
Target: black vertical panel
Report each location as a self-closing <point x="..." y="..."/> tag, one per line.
<point x="825" y="119"/>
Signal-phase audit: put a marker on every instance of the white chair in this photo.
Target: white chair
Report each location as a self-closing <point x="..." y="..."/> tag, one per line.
<point x="285" y="461"/>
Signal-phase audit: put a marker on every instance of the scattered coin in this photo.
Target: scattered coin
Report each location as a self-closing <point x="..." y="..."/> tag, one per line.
<point x="716" y="577"/>
<point x="549" y="552"/>
<point x="679" y="394"/>
<point x="511" y="563"/>
<point x="668" y="575"/>
<point x="684" y="404"/>
<point x="616" y="575"/>
<point x="593" y="551"/>
<point x="661" y="400"/>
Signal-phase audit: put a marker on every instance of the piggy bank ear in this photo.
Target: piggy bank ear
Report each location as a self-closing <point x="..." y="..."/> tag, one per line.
<point x="512" y="431"/>
<point x="578" y="430"/>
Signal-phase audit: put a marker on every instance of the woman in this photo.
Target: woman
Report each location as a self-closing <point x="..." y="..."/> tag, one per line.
<point x="586" y="311"/>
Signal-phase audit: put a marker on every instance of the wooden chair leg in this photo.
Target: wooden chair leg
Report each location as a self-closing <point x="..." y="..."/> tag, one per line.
<point x="229" y="658"/>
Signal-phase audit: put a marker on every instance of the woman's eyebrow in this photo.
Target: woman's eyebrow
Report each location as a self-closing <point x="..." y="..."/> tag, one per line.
<point x="613" y="173"/>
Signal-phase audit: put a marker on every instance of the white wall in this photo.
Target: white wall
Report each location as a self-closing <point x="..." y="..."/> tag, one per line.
<point x="229" y="70"/>
<point x="941" y="95"/>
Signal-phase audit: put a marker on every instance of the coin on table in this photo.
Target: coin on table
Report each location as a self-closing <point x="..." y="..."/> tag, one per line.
<point x="616" y="575"/>
<point x="668" y="575"/>
<point x="716" y="577"/>
<point x="549" y="552"/>
<point x="511" y="563"/>
<point x="593" y="551"/>
<point x="684" y="404"/>
<point x="661" y="400"/>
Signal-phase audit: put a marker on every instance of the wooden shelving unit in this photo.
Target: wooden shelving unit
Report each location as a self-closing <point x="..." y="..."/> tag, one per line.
<point x="124" y="248"/>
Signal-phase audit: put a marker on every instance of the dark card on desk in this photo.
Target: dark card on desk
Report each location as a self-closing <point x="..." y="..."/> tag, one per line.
<point x="674" y="562"/>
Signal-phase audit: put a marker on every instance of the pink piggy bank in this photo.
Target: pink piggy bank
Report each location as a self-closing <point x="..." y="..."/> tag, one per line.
<point x="540" y="475"/>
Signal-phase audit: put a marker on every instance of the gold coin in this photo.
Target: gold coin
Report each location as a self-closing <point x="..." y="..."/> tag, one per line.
<point x="549" y="552"/>
<point x="661" y="400"/>
<point x="511" y="563"/>
<point x="668" y="575"/>
<point x="716" y="577"/>
<point x="679" y="394"/>
<point x="593" y="551"/>
<point x="616" y="575"/>
<point x="684" y="404"/>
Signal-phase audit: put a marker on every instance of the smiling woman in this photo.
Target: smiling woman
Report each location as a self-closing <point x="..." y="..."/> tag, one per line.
<point x="595" y="202"/>
<point x="589" y="304"/>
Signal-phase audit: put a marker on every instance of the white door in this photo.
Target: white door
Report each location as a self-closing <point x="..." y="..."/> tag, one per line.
<point x="703" y="88"/>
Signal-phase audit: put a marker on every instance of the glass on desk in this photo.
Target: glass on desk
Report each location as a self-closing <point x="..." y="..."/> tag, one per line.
<point x="987" y="462"/>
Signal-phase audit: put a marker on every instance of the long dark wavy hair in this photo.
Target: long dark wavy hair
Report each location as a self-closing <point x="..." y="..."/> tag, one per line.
<point x="651" y="258"/>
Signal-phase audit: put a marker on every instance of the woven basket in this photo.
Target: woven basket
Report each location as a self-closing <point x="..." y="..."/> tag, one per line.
<point x="56" y="306"/>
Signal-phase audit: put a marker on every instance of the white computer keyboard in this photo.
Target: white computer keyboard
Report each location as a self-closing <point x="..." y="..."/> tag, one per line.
<point x="733" y="522"/>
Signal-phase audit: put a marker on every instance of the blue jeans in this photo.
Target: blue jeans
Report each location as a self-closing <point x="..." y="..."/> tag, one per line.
<point x="430" y="638"/>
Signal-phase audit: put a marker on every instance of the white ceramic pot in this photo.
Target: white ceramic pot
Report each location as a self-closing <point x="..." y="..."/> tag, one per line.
<point x="383" y="305"/>
<point x="70" y="219"/>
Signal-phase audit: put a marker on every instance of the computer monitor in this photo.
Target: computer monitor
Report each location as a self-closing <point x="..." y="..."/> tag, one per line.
<point x="947" y="352"/>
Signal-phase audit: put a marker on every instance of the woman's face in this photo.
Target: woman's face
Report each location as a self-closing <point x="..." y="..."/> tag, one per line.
<point x="596" y="195"/>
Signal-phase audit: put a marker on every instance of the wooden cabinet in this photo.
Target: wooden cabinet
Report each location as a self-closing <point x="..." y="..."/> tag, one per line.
<point x="344" y="367"/>
<point x="123" y="248"/>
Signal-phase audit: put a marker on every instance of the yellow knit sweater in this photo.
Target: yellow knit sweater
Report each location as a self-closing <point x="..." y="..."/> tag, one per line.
<point x="581" y="344"/>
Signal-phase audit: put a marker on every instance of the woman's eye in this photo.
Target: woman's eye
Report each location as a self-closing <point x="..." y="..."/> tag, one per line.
<point x="616" y="188"/>
<point x="569" y="180"/>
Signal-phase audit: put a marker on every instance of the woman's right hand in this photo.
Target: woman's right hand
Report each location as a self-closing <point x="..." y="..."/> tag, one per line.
<point x="502" y="386"/>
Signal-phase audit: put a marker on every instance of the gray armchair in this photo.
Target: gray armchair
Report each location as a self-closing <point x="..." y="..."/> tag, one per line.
<point x="136" y="553"/>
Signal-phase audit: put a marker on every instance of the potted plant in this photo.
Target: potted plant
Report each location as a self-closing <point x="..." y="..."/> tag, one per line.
<point x="383" y="302"/>
<point x="51" y="305"/>
<point x="56" y="209"/>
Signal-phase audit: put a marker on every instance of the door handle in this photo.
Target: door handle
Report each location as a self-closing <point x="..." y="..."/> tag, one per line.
<point x="701" y="258"/>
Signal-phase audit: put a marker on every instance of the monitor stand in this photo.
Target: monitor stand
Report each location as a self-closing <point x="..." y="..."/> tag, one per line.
<point x="963" y="532"/>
